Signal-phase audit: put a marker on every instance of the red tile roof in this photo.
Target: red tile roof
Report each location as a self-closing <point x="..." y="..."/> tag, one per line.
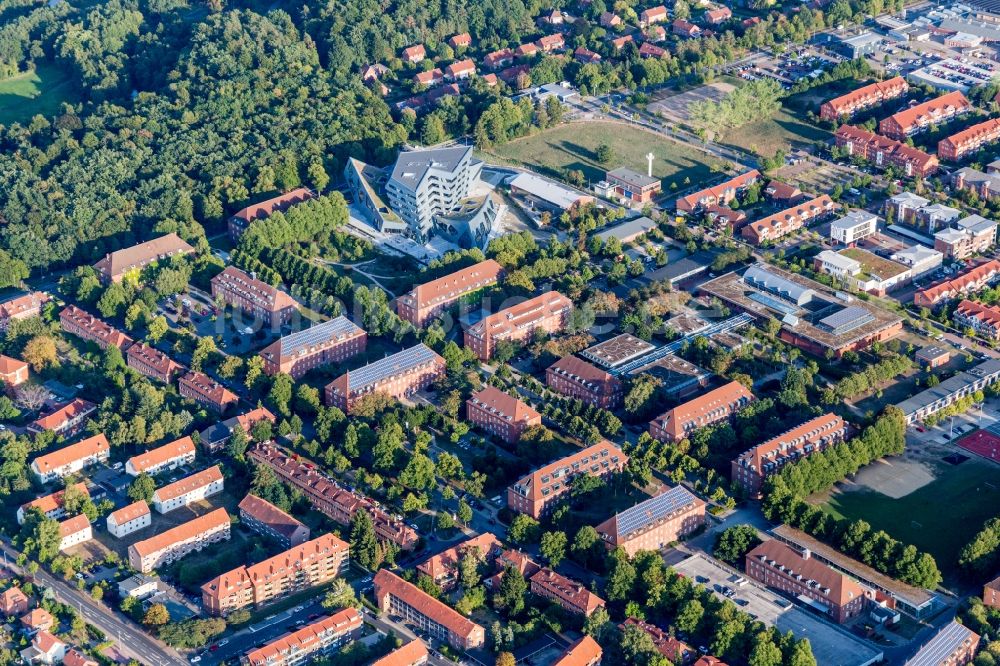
<point x="162" y="454"/>
<point x="411" y="654"/>
<point x="270" y="515"/>
<point x="907" y="118"/>
<point x="130" y="512"/>
<point x="116" y="263"/>
<point x="717" y="192"/>
<point x="960" y="283"/>
<point x="52" y="502"/>
<point x="449" y="286"/>
<point x="699" y="410"/>
<point x="677" y="652"/>
<point x="91" y="446"/>
<point x="921" y="161"/>
<point x="307" y="639"/>
<point x="532" y="484"/>
<point x="23" y="305"/>
<point x="189" y="483"/>
<point x="446" y="561"/>
<point x="183" y="532"/>
<point x="570" y="591"/>
<point x="986" y="131"/>
<point x="64" y="414"/>
<point x="503" y="404"/>
<point x="387" y="582"/>
<point x="10" y="366"/>
<point x="211" y="390"/>
<point x="834" y="586"/>
<point x="584" y="652"/>
<point x="73" y="525"/>
<point x="873" y="93"/>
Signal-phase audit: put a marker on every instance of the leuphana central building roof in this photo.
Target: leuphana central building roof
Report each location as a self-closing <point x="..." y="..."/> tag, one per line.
<point x="412" y="167"/>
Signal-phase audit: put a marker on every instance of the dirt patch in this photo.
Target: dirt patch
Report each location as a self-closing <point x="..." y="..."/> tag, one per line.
<point x="894" y="477"/>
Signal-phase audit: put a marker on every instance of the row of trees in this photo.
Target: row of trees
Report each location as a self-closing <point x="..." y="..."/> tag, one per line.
<point x="981" y="556"/>
<point x="861" y="382"/>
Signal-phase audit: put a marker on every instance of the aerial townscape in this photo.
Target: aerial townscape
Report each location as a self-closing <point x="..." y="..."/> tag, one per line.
<point x="558" y="333"/>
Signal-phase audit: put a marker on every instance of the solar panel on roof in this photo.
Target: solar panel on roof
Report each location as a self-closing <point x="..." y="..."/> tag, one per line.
<point x="648" y="512"/>
<point x="847" y="319"/>
<point x="390" y="365"/>
<point x="318" y="334"/>
<point x="773" y="303"/>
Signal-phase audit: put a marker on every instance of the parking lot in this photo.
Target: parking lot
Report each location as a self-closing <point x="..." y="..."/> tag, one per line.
<point x="831" y="645"/>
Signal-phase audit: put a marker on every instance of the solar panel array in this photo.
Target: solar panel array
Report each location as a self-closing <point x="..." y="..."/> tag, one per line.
<point x="848" y="319"/>
<point x="391" y="365"/>
<point x="646" y="513"/>
<point x="317" y="335"/>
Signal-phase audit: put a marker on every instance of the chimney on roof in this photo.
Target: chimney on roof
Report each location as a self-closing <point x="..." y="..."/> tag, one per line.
<point x="806" y="553"/>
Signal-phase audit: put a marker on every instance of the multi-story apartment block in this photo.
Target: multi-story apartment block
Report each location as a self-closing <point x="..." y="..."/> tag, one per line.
<point x="152" y="363"/>
<point x="716" y="405"/>
<point x="985" y="184"/>
<point x="654" y="523"/>
<point x="428" y="300"/>
<point x="400" y="375"/>
<point x="22" y="307"/>
<point x="84" y="325"/>
<point x="315" y="640"/>
<point x="239" y="222"/>
<point x="414" y="606"/>
<point x="631" y="186"/>
<point x="920" y="117"/>
<point x="991" y="593"/>
<point x="932" y="400"/>
<point x="332" y="341"/>
<point x="863" y="98"/>
<point x="905" y="207"/>
<point x="428" y="183"/>
<point x="797" y="574"/>
<point x="953" y="645"/>
<point x="206" y="391"/>
<point x="13" y="372"/>
<point x="173" y="544"/>
<point x="972" y="235"/>
<point x="885" y="152"/>
<point x="718" y="195"/>
<point x="576" y="378"/>
<point x="51" y="505"/>
<point x="329" y="498"/>
<point x="299" y="568"/>
<point x="66" y="420"/>
<point x="583" y="651"/>
<point x="500" y="413"/>
<point x="264" y="518"/>
<point x="856" y="226"/>
<point x="129" y="519"/>
<point x="751" y="468"/>
<point x="115" y="266"/>
<point x="536" y="492"/>
<point x="193" y="488"/>
<point x="74" y="531"/>
<point x="568" y="593"/>
<point x="969" y="140"/>
<point x="254" y="297"/>
<point x="968" y="282"/>
<point x="548" y="313"/>
<point x="71" y="459"/>
<point x="443" y="567"/>
<point x="792" y="219"/>
<point x="167" y="457"/>
<point x="413" y="653"/>
<point x="983" y="319"/>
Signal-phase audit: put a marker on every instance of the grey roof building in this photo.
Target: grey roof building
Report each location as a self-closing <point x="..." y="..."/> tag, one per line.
<point x="427" y="183"/>
<point x="932" y="400"/>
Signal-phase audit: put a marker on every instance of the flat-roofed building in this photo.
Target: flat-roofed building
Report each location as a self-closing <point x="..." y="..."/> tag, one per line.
<point x="413" y="653"/>
<point x="138" y="586"/>
<point x="792" y="219"/>
<point x="953" y="645"/>
<point x="717" y="405"/>
<point x="582" y="652"/>
<point x="115" y="266"/>
<point x="163" y="458"/>
<point x="414" y="606"/>
<point x="206" y="391"/>
<point x="969" y="140"/>
<point x="428" y="300"/>
<point x="863" y="98"/>
<point x="443" y="567"/>
<point x="884" y="152"/>
<point x="299" y="568"/>
<point x="239" y="222"/>
<point x="921" y="260"/>
<point x="52" y="505"/>
<point x="617" y="351"/>
<point x="398" y="376"/>
<point x="545" y="194"/>
<point x="972" y="235"/>
<point x="74" y="531"/>
<point x="991" y="593"/>
<point x="630" y="231"/>
<point x="535" y="493"/>
<point x="424" y="184"/>
<point x="173" y="544"/>
<point x="84" y="325"/>
<point x="654" y="523"/>
<point x="717" y="195"/>
<point x="313" y="641"/>
<point x="752" y="467"/>
<point x="66" y="420"/>
<point x="918" y="118"/>
<point x="129" y="519"/>
<point x="332" y="341"/>
<point x="576" y="378"/>
<point x="254" y="297"/>
<point x="71" y="459"/>
<point x="568" y="593"/>
<point x="932" y="400"/>
<point x="193" y="488"/>
<point x="22" y="307"/>
<point x="963" y="284"/>
<point x="548" y="313"/>
<point x="500" y="413"/>
<point x="13" y="372"/>
<point x="152" y="363"/>
<point x="633" y="187"/>
<point x="853" y="227"/>
<point x="264" y="518"/>
<point x="932" y="357"/>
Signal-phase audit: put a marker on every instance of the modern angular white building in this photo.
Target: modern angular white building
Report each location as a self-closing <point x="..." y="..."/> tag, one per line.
<point x="427" y="183"/>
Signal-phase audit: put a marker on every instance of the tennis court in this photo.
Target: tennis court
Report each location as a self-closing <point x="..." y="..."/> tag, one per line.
<point x="985" y="443"/>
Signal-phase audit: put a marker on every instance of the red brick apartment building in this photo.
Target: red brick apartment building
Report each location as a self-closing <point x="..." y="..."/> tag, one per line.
<point x="501" y="414"/>
<point x="428" y="300"/>
<point x="751" y="468"/>
<point x="716" y="405"/>
<point x="919" y="117"/>
<point x="983" y="319"/>
<point x="414" y="606"/>
<point x="152" y="363"/>
<point x="884" y="152"/>
<point x="66" y="420"/>
<point x="536" y="492"/>
<point x="413" y="653"/>
<point x="239" y="222"/>
<point x="206" y="391"/>
<point x="654" y="523"/>
<point x="264" y="518"/>
<point x="568" y="593"/>
<point x="969" y="140"/>
<point x="85" y="325"/>
<point x="12" y="371"/>
<point x="314" y="640"/>
<point x="443" y="567"/>
<point x="332" y="341"/>
<point x="781" y="567"/>
<point x="968" y="282"/>
<point x="718" y="195"/>
<point x="217" y="436"/>
<point x="863" y="98"/>
<point x="518" y="323"/>
<point x="789" y="220"/>
<point x="254" y="297"/>
<point x="953" y="645"/>
<point x="583" y="652"/>
<point x="173" y="544"/>
<point x="330" y="499"/>
<point x="991" y="593"/>
<point x="576" y="378"/>
<point x="400" y="375"/>
<point x="299" y="568"/>
<point x="130" y="261"/>
<point x="22" y="307"/>
<point x="676" y="651"/>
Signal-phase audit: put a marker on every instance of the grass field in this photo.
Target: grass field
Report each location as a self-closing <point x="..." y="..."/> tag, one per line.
<point x="784" y="131"/>
<point x="574" y="146"/>
<point x="926" y="517"/>
<point x="31" y="93"/>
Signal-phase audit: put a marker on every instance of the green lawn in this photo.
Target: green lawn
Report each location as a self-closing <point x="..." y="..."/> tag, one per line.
<point x="574" y="146"/>
<point x="926" y="517"/>
<point x="784" y="131"/>
<point x="31" y="93"/>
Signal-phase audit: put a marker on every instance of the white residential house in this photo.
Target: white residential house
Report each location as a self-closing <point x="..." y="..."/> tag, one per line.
<point x="163" y="458"/>
<point x="71" y="459"/>
<point x="129" y="519"/>
<point x="190" y="489"/>
<point x="44" y="649"/>
<point x="74" y="531"/>
<point x="853" y="227"/>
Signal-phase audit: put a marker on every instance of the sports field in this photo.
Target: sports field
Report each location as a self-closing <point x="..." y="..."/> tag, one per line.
<point x="574" y="146"/>
<point x="38" y="92"/>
